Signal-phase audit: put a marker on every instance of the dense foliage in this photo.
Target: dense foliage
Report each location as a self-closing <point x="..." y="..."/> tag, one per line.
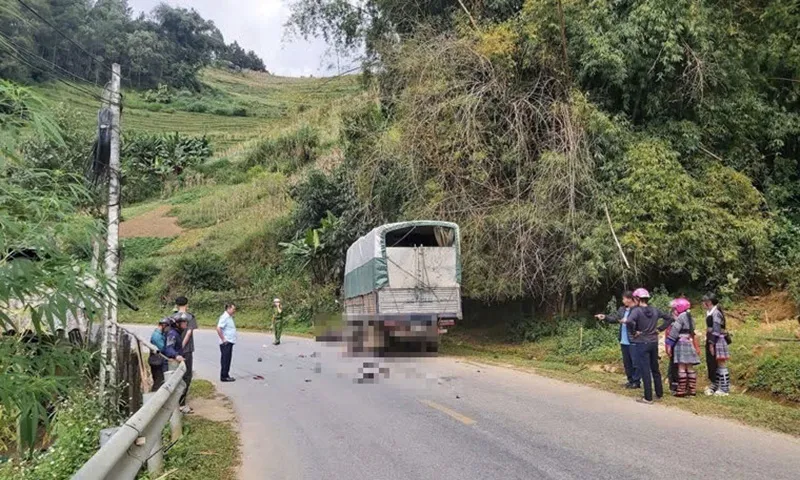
<point x="41" y="281"/>
<point x="167" y="46"/>
<point x="76" y="428"/>
<point x="150" y="161"/>
<point x="537" y="124"/>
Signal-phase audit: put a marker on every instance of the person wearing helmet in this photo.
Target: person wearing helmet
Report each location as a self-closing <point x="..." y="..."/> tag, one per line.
<point x="631" y="372"/>
<point x="643" y="322"/>
<point x="717" y="352"/>
<point x="277" y="320"/>
<point x="156" y="361"/>
<point x="173" y="347"/>
<point x="681" y="348"/>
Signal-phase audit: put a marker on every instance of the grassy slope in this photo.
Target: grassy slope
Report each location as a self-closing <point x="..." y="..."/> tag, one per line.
<point x="270" y="102"/>
<point x="220" y="219"/>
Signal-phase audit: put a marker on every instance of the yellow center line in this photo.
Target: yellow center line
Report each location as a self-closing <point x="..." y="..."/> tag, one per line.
<point x="461" y="418"/>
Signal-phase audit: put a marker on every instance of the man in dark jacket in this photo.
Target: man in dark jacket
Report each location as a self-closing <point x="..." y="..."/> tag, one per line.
<point x="174" y="344"/>
<point x="624" y="339"/>
<point x="643" y="323"/>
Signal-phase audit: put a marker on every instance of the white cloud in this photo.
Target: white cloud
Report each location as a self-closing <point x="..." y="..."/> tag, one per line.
<point x="258" y="25"/>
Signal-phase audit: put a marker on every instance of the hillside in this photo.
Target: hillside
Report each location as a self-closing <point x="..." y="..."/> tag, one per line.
<point x="220" y="222"/>
<point x="268" y="103"/>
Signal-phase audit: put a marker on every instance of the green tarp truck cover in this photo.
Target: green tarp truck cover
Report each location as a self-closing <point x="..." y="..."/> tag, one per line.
<point x="366" y="266"/>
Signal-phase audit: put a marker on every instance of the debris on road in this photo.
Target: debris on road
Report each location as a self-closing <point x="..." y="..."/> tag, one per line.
<point x="258" y="377"/>
<point x="259" y="359"/>
<point x="308" y="380"/>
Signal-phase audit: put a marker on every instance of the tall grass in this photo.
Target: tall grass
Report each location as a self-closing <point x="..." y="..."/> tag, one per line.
<point x="265" y="194"/>
<point x="286" y="153"/>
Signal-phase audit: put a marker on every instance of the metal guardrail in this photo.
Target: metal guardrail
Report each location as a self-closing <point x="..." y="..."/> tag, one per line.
<point x="138" y="440"/>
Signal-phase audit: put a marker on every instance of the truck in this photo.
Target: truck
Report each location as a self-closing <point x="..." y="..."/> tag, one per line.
<point x="402" y="288"/>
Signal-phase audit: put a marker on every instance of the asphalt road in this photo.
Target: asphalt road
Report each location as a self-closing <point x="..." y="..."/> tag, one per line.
<point x="440" y="418"/>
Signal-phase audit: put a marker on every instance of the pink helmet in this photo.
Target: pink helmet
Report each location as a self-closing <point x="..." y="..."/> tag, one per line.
<point x="641" y="293"/>
<point x="681" y="305"/>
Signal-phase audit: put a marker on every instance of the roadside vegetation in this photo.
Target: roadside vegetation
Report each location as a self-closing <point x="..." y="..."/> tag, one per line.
<point x="210" y="445"/>
<point x="537" y="141"/>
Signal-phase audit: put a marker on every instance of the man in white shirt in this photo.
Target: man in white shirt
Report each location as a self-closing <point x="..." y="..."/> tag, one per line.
<point x="226" y="329"/>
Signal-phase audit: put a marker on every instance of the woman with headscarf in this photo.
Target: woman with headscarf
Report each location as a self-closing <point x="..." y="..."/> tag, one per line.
<point x="681" y="349"/>
<point x="717" y="352"/>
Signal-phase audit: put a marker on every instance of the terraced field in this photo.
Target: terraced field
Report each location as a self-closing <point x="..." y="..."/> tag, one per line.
<point x="270" y="103"/>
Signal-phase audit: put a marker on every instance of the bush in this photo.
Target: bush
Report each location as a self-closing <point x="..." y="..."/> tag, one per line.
<point x="197" y="107"/>
<point x="137" y="273"/>
<point x="223" y="171"/>
<point x="150" y="161"/>
<point x="224" y="112"/>
<point x="76" y="428"/>
<point x="201" y="271"/>
<point x="778" y="375"/>
<point x="578" y="343"/>
<point x="161" y="94"/>
<point x="526" y="328"/>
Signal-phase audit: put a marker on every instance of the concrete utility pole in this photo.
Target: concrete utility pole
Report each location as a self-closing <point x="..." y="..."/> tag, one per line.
<point x="108" y="372"/>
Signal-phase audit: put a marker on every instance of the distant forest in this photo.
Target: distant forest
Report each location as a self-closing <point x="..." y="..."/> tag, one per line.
<point x="40" y="39"/>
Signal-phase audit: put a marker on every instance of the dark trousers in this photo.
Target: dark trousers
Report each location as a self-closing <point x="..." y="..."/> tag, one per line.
<point x="630" y="365"/>
<point x="226" y="354"/>
<point x="187" y="377"/>
<point x="672" y="374"/>
<point x="646" y="355"/>
<point x="711" y="363"/>
<point x="158" y="376"/>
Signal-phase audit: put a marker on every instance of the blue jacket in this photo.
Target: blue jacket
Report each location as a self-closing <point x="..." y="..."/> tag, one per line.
<point x="174" y="345"/>
<point x="158" y="339"/>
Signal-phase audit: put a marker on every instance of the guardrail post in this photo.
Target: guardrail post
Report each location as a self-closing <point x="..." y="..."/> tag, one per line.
<point x="155" y="462"/>
<point x="175" y="419"/>
<point x="139" y="439"/>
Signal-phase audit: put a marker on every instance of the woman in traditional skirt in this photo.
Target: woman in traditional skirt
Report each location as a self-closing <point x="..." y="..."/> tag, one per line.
<point x="717" y="353"/>
<point x="682" y="349"/>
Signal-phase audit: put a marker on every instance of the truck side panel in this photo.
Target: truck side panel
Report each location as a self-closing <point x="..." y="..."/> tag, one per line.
<point x="444" y="301"/>
<point x="363" y="304"/>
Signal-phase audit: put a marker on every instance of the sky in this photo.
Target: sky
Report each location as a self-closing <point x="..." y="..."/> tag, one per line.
<point x="258" y="25"/>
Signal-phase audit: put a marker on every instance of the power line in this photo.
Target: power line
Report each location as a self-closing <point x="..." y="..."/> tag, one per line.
<point x="26" y="60"/>
<point x="18" y="54"/>
<point x="62" y="34"/>
<point x="27" y="51"/>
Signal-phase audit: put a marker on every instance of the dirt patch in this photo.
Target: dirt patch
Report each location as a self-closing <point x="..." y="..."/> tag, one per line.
<point x="155" y="223"/>
<point x="766" y="309"/>
<point x="216" y="409"/>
